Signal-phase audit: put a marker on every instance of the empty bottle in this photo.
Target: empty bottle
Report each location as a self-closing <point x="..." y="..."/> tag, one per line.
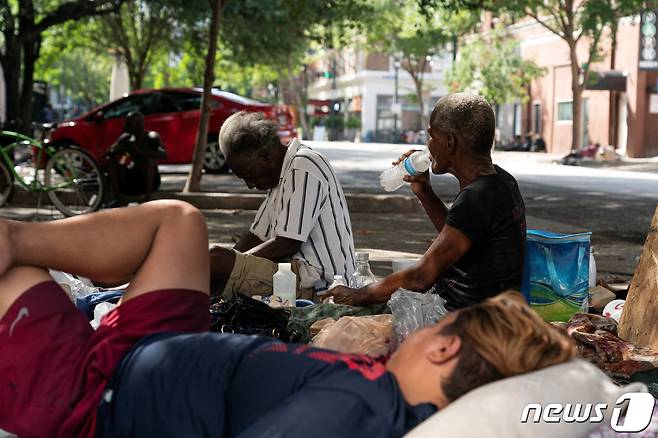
<point x="363" y="276"/>
<point x="284" y="283"/>
<point x="392" y="179"/>
<point x="339" y="280"/>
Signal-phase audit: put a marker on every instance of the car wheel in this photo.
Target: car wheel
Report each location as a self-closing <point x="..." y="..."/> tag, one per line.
<point x="214" y="160"/>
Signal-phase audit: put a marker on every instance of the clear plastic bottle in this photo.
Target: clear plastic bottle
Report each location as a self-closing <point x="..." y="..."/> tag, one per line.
<point x="363" y="276"/>
<point x="284" y="283"/>
<point x="392" y="179"/>
<point x="339" y="280"/>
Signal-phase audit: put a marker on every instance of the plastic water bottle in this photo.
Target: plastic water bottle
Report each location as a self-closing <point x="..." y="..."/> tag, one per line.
<point x="592" y="268"/>
<point x="415" y="164"/>
<point x="363" y="276"/>
<point x="284" y="284"/>
<point x="339" y="280"/>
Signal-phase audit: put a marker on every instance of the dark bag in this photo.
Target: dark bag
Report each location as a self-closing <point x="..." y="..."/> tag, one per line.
<point x="244" y="315"/>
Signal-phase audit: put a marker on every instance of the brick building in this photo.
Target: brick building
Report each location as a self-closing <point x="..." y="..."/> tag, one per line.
<point x="615" y="107"/>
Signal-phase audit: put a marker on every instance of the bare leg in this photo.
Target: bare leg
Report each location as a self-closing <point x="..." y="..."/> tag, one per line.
<point x="163" y="243"/>
<point x="221" y="265"/>
<point x="16" y="281"/>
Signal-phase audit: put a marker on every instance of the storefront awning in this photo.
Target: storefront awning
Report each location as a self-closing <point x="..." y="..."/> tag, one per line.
<point x="612" y="80"/>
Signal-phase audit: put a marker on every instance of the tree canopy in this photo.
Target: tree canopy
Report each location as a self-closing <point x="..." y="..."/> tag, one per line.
<point x="491" y="66"/>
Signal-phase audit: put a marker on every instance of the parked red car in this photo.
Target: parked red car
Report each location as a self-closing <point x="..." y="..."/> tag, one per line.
<point x="174" y="114"/>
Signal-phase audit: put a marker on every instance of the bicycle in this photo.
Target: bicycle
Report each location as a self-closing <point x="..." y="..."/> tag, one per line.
<point x="70" y="176"/>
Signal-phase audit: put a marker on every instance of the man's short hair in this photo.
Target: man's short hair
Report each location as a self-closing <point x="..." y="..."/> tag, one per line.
<point x="468" y="117"/>
<point x="247" y="132"/>
<point x="502" y="337"/>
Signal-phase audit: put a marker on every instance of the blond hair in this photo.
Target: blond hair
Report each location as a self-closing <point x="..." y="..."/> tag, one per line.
<point x="502" y="337"/>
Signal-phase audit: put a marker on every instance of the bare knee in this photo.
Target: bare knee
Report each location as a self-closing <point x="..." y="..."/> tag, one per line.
<point x="178" y="212"/>
<point x="16" y="281"/>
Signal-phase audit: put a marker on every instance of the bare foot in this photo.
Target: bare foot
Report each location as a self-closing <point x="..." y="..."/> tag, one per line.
<point x="6" y="247"/>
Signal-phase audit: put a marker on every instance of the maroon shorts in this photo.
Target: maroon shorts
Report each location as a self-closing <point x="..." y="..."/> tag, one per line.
<point x="53" y="366"/>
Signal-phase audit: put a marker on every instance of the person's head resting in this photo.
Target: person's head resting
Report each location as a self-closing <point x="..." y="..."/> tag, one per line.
<point x="252" y="149"/>
<point x="468" y="348"/>
<point x="134" y="123"/>
<point x="461" y="129"/>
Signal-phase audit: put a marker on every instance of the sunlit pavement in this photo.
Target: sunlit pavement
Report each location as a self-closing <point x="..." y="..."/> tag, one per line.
<point x="615" y="204"/>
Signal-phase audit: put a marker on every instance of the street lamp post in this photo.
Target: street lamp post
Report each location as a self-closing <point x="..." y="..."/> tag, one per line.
<point x="396" y="65"/>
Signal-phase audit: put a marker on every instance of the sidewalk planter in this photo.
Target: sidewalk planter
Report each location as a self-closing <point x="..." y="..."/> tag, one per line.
<point x="556" y="277"/>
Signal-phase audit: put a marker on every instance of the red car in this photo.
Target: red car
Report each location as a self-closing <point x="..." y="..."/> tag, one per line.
<point x="174" y="114"/>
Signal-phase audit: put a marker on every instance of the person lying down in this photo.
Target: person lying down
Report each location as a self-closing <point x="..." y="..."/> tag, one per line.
<point x="153" y="370"/>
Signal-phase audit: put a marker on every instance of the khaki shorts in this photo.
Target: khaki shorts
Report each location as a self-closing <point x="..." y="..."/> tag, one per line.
<point x="252" y="275"/>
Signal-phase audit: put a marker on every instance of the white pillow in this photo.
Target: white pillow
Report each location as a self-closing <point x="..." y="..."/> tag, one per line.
<point x="495" y="410"/>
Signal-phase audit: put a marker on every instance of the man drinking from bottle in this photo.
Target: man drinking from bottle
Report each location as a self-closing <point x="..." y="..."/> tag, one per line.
<point x="479" y="249"/>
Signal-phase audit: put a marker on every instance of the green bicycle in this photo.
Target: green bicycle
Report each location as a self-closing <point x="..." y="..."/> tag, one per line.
<point x="71" y="177"/>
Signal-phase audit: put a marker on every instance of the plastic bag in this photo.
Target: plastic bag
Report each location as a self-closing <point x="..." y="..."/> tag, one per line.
<point x="74" y="287"/>
<point x="100" y="311"/>
<point x="556" y="274"/>
<point x="414" y="310"/>
<point x="369" y="335"/>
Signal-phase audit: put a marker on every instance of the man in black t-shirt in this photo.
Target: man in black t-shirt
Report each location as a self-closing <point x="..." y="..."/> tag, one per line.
<point x="479" y="251"/>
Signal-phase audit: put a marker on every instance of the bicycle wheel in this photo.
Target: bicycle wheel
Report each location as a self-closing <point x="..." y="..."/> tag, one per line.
<point x="74" y="182"/>
<point x="6" y="183"/>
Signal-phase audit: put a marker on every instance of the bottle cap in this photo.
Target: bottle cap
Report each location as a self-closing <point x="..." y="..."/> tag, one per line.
<point x="362" y="256"/>
<point x="285" y="267"/>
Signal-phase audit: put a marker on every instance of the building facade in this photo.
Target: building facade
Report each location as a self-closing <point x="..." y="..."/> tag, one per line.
<point x="616" y="105"/>
<point x="364" y="84"/>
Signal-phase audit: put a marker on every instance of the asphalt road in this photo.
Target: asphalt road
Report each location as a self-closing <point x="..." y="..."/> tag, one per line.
<point x="615" y="205"/>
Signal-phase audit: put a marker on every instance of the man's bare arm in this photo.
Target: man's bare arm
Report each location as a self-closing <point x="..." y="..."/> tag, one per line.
<point x="448" y="248"/>
<point x="276" y="249"/>
<point x="434" y="207"/>
<point x="248" y="241"/>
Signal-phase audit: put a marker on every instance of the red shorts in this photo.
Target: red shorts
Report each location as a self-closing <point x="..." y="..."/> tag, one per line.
<point x="54" y="367"/>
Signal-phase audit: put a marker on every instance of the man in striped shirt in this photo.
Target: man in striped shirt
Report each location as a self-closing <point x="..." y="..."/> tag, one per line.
<point x="304" y="216"/>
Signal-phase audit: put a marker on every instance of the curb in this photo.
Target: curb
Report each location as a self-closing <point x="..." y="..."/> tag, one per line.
<point x="356" y="202"/>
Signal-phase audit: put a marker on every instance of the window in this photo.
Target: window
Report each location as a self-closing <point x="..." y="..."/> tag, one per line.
<point x="142" y="103"/>
<point x="536" y="116"/>
<point x="517" y="119"/>
<point x="565" y="111"/>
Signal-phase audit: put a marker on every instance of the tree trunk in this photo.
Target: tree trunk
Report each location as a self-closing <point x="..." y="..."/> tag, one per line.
<point x="30" y="55"/>
<point x="612" y="102"/>
<point x="193" y="183"/>
<point x="299" y="103"/>
<point x="577" y="123"/>
<point x="11" y="69"/>
<point x="577" y="95"/>
<point x="418" y="83"/>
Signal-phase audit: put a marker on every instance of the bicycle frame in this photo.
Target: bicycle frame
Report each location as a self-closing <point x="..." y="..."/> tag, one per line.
<point x="43" y="152"/>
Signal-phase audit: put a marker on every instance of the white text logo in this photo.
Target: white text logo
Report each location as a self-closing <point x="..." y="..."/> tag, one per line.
<point x="637" y="416"/>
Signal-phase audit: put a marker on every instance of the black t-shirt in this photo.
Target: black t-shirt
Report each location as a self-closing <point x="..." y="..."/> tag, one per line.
<point x="225" y="385"/>
<point x="491" y="213"/>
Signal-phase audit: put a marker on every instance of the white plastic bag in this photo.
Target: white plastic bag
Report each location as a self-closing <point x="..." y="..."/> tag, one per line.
<point x="414" y="310"/>
<point x="100" y="311"/>
<point x="74" y="287"/>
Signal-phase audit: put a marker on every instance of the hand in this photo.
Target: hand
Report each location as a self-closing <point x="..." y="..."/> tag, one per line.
<point x="419" y="184"/>
<point x="347" y="295"/>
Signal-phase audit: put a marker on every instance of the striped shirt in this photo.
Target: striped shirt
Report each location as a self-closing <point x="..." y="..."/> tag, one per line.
<point x="309" y="205"/>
